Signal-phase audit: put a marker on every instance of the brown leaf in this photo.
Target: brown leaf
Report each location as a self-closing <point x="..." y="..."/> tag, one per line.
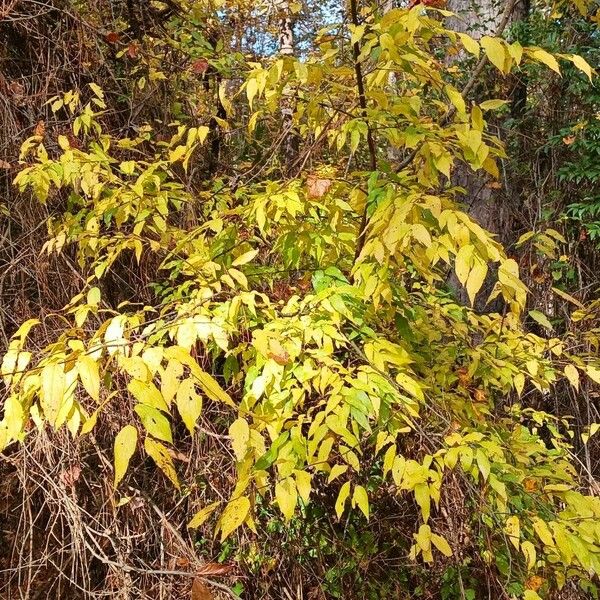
<point x="214" y="570"/>
<point x="69" y="476"/>
<point x="200" y="591"/>
<point x="133" y="50"/>
<point x="317" y="186"/>
<point x="199" y="66"/>
<point x="5" y="165"/>
<point x="112" y="37"/>
<point x="40" y="129"/>
<point x="569" y="139"/>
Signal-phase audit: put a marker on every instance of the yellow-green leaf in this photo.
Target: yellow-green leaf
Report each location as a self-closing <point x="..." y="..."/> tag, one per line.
<point x="441" y="544"/>
<point x="360" y="498"/>
<point x="124" y="448"/>
<point x="189" y="404"/>
<point x="239" y="432"/>
<point x="160" y="455"/>
<point x="287" y="497"/>
<point x="233" y="516"/>
<point x="341" y="499"/>
<point x="89" y="375"/>
<point x="200" y="517"/>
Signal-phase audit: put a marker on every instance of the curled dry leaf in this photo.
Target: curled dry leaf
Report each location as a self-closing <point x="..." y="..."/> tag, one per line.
<point x="5" y="165"/>
<point x="69" y="476"/>
<point x="112" y="37"/>
<point x="317" y="186"/>
<point x="199" y="66"/>
<point x="40" y="129"/>
<point x="200" y="591"/>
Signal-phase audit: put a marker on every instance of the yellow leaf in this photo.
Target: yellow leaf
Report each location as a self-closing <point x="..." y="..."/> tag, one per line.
<point x="441" y="544"/>
<point x="244" y="258"/>
<point x="251" y="90"/>
<point x="287" y="497"/>
<point x="341" y="499"/>
<point x="475" y="279"/>
<point x="52" y="393"/>
<point x="336" y="471"/>
<point x="483" y="463"/>
<point x="456" y="98"/>
<point x="169" y="380"/>
<point x="189" y="404"/>
<point x="495" y="51"/>
<point x="124" y="448"/>
<point x="89" y="375"/>
<point x="572" y="374"/>
<point x="233" y="516"/>
<point x="546" y="58"/>
<point x="423" y="499"/>
<point x="469" y="43"/>
<point x="200" y="517"/>
<point x="543" y="531"/>
<point x="361" y="499"/>
<point x="148" y="394"/>
<point x="211" y="388"/>
<point x="160" y="455"/>
<point x="155" y="422"/>
<point x="240" y="436"/>
<point x="581" y="64"/>
<point x="528" y="550"/>
<point x="593" y="373"/>
<point x="303" y="485"/>
<point x="513" y="530"/>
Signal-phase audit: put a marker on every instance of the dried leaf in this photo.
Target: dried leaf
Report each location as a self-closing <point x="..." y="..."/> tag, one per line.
<point x="199" y="66"/>
<point x="200" y="591"/>
<point x="317" y="186"/>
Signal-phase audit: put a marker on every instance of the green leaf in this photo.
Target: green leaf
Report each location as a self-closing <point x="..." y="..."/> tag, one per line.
<point x="124" y="448"/>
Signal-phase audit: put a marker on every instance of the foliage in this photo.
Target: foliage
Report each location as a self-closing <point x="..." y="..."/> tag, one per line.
<point x="332" y="353"/>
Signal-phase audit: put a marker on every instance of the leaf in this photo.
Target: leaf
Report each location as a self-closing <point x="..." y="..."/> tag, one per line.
<point x="581" y="64"/>
<point x="155" y="423"/>
<point x="244" y="258"/>
<point x="361" y="499"/>
<point x="441" y="544"/>
<point x="572" y="374"/>
<point x="287" y="497"/>
<point x="239" y="432"/>
<point x="475" y="279"/>
<point x="317" y="186"/>
<point x="469" y="43"/>
<point x="543" y="531"/>
<point x="303" y="485"/>
<point x="528" y="550"/>
<point x="202" y="515"/>
<point x="341" y="499"/>
<point x="593" y="373"/>
<point x="568" y="297"/>
<point x="200" y="591"/>
<point x="493" y="105"/>
<point x="147" y="394"/>
<point x="160" y="455"/>
<point x="89" y="375"/>
<point x="251" y="90"/>
<point x="199" y="66"/>
<point x="124" y="448"/>
<point x="512" y="529"/>
<point x="52" y="391"/>
<point x="423" y="499"/>
<point x="233" y="516"/>
<point x="483" y="463"/>
<point x="495" y="51"/>
<point x="540" y="318"/>
<point x="211" y="388"/>
<point x="545" y="58"/>
<point x="189" y="404"/>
